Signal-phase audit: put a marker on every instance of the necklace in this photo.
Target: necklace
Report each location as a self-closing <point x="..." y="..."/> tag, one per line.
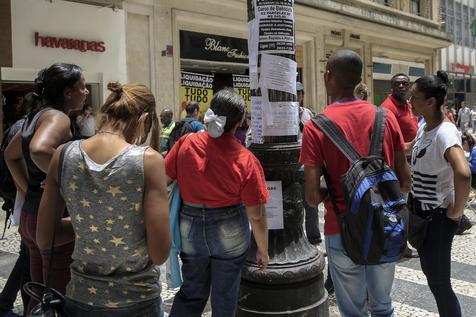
<point x="110" y="132"/>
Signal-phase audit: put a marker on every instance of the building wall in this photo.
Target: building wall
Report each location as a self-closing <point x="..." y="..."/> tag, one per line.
<point x="322" y="26"/>
<point x="69" y="20"/>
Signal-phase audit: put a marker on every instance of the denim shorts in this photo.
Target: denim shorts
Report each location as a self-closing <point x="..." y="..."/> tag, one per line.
<point x="150" y="308"/>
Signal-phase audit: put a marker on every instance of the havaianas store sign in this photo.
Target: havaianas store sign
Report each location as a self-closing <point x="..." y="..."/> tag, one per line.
<point x="42" y="40"/>
<point x="209" y="47"/>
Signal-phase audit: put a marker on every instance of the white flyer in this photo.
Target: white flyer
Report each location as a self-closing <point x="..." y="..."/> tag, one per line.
<point x="256" y="120"/>
<point x="278" y="73"/>
<point x="274" y="207"/>
<point x="276" y="26"/>
<point x="285" y="119"/>
<point x="253" y="34"/>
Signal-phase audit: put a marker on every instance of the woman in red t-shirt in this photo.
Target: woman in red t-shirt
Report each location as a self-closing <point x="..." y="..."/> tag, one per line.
<point x="223" y="187"/>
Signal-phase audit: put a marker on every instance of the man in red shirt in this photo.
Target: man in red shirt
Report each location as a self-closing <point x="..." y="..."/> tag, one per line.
<point x="355" y="285"/>
<point x="398" y="104"/>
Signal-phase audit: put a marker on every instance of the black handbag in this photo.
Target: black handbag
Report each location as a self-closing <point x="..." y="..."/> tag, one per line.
<point x="417" y="229"/>
<point x="417" y="225"/>
<point x="52" y="302"/>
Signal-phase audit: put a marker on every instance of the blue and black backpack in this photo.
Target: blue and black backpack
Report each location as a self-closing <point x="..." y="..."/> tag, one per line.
<point x="373" y="224"/>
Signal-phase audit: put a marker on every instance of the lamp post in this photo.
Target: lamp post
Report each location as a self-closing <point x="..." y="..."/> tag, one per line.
<point x="292" y="285"/>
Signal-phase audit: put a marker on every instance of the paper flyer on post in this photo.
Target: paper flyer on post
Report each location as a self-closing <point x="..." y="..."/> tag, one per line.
<point x="274" y="207"/>
<point x="276" y="26"/>
<point x="285" y="119"/>
<point x="278" y="73"/>
<point x="256" y="121"/>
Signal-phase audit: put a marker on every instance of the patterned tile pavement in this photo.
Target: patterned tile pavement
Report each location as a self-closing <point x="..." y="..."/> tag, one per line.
<point x="411" y="296"/>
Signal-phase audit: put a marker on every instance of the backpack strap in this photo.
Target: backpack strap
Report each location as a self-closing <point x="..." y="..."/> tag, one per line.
<point x="378" y="130"/>
<point x="336" y="136"/>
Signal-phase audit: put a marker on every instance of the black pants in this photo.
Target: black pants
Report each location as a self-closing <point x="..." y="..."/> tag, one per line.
<point x="435" y="260"/>
<point x="18" y="277"/>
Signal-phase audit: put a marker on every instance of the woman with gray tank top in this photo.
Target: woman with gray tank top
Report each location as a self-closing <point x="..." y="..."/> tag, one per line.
<point x="59" y="90"/>
<point x="116" y="193"/>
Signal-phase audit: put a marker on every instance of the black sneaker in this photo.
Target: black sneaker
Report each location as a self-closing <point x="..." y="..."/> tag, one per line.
<point x="329" y="285"/>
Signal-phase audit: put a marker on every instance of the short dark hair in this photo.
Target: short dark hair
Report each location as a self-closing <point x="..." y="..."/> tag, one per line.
<point x="434" y="86"/>
<point x="394" y="77"/>
<point x="192" y="106"/>
<point x="228" y="103"/>
<point x="347" y="67"/>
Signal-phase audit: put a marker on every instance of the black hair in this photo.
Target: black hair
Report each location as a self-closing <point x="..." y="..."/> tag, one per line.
<point x="52" y="81"/>
<point x="434" y="86"/>
<point x="467" y="137"/>
<point x="394" y="77"/>
<point x="347" y="67"/>
<point x="192" y="106"/>
<point x="228" y="103"/>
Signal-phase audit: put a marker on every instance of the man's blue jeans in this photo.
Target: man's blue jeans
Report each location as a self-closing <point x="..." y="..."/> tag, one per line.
<point x="359" y="288"/>
<point x="214" y="246"/>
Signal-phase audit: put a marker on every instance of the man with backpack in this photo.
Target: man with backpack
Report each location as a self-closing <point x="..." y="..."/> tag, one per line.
<point x="364" y="225"/>
<point x="188" y="124"/>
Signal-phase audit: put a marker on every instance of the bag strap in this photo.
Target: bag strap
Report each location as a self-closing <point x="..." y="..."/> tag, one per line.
<point x="60" y="171"/>
<point x="378" y="130"/>
<point x="336" y="136"/>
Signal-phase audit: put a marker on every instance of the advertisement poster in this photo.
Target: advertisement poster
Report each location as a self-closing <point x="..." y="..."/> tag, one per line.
<point x="256" y="121"/>
<point x="241" y="85"/>
<point x="195" y="87"/>
<point x="276" y="26"/>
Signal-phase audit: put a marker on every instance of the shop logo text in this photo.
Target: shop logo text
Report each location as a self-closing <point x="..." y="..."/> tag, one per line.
<point x="68" y="43"/>
<point x="212" y="44"/>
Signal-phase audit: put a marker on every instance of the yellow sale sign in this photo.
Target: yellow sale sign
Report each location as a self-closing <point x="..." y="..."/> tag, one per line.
<point x="195" y="87"/>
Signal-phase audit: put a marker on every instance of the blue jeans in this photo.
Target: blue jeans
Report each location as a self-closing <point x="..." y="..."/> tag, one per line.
<point x="150" y="308"/>
<point x="359" y="288"/>
<point x="435" y="260"/>
<point x="214" y="246"/>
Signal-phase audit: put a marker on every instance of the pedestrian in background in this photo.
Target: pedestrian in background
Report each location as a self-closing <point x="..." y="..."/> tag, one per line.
<point x="116" y="192"/>
<point x="85" y="122"/>
<point x="168" y="124"/>
<point x="223" y="187"/>
<point x="440" y="187"/>
<point x="408" y="122"/>
<point x="361" y="91"/>
<point x="59" y="89"/>
<point x="464" y="117"/>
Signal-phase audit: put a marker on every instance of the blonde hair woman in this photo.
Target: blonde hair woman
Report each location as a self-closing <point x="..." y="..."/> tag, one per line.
<point x="116" y="193"/>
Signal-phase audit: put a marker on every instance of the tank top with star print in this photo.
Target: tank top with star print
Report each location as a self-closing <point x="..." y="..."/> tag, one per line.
<point x="111" y="267"/>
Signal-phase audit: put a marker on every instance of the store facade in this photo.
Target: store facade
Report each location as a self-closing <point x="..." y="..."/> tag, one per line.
<point x="177" y="33"/>
<point x="44" y="32"/>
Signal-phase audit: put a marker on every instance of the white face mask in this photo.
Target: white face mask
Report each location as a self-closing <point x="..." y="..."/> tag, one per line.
<point x="216" y="124"/>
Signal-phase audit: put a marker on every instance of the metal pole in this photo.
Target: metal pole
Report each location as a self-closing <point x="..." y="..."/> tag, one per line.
<point x="293" y="283"/>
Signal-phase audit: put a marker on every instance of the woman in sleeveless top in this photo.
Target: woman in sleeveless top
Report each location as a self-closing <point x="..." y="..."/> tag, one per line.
<point x="59" y="89"/>
<point x="116" y="194"/>
<point x="223" y="187"/>
<point x="440" y="187"/>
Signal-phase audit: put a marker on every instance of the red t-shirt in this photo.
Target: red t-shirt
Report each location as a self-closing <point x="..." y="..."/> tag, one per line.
<point x="407" y="121"/>
<point x="355" y="119"/>
<point x="217" y="172"/>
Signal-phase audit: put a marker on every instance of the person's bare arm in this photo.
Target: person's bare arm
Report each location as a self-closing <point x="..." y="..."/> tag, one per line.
<point x="51" y="210"/>
<point x="16" y="164"/>
<point x="462" y="179"/>
<point x="402" y="170"/>
<point x="53" y="129"/>
<point x="156" y="207"/>
<point x="313" y="192"/>
<point x="409" y="147"/>
<point x="259" y="226"/>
